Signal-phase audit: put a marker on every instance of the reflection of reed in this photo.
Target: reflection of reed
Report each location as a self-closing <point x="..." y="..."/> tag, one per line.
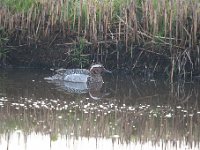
<point x="135" y="111"/>
<point x="141" y="123"/>
<point x="126" y="89"/>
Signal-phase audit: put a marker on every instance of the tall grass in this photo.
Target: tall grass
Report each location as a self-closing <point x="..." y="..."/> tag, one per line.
<point x="174" y="25"/>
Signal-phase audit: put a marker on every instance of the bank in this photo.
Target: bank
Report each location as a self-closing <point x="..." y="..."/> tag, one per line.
<point x="156" y="35"/>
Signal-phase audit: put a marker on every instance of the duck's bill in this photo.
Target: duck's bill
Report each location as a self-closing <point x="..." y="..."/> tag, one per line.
<point x="107" y="71"/>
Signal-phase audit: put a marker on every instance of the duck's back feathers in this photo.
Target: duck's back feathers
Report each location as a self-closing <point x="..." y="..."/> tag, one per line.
<point x="76" y="78"/>
<point x="73" y="71"/>
<point x="74" y="75"/>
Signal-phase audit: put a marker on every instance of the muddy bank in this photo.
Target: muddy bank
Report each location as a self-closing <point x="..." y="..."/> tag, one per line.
<point x="30" y="57"/>
<point x="69" y="55"/>
<point x="63" y="55"/>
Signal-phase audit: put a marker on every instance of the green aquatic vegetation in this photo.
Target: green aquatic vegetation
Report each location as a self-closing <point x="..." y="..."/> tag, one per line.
<point x="18" y="5"/>
<point x="54" y="137"/>
<point x="155" y="4"/>
<point x="79" y="56"/>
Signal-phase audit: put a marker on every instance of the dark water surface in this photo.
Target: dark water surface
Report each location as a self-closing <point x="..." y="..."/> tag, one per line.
<point x="123" y="113"/>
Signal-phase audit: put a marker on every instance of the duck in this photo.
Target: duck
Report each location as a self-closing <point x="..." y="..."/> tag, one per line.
<point x="94" y="74"/>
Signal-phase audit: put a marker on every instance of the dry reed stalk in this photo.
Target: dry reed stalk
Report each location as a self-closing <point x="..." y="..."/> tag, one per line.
<point x="155" y="24"/>
<point x="165" y="18"/>
<point x="181" y="24"/>
<point x="56" y="13"/>
<point x="47" y="32"/>
<point x="160" y="19"/>
<point x="8" y="24"/>
<point x="79" y="17"/>
<point x="88" y="12"/>
<point x="100" y="21"/>
<point x="195" y="24"/>
<point x="111" y="9"/>
<point x="43" y="15"/>
<point x="5" y="21"/>
<point x="59" y="11"/>
<point x="68" y="17"/>
<point x="119" y="31"/>
<point x="11" y="23"/>
<point x="92" y="21"/>
<point x="28" y="21"/>
<point x="170" y="22"/>
<point x="177" y="19"/>
<point x="22" y="26"/>
<point x="95" y="36"/>
<point x="1" y="14"/>
<point x="34" y="21"/>
<point x="37" y="29"/>
<point x="143" y="20"/>
<point x="151" y="15"/>
<point x="146" y="16"/>
<point x="64" y="6"/>
<point x="134" y="21"/>
<point x="51" y="15"/>
<point x="126" y="29"/>
<point x="75" y="13"/>
<point x="106" y="24"/>
<point x="171" y="51"/>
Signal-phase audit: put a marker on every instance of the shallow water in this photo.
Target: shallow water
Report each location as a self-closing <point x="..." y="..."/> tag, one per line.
<point x="122" y="113"/>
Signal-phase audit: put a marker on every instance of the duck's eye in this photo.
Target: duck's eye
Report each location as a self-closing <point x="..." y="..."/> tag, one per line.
<point x="96" y="70"/>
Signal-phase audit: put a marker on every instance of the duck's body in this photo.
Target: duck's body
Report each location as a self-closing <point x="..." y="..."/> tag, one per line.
<point x="80" y="75"/>
<point x="72" y="75"/>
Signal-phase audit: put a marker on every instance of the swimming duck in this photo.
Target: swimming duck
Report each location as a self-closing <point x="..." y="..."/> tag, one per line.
<point x="80" y="75"/>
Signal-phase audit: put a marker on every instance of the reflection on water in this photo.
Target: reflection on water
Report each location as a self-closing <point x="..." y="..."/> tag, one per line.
<point x="136" y="114"/>
<point x="93" y="89"/>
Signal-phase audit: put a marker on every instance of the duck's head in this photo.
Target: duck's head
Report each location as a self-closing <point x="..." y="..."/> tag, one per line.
<point x="97" y="69"/>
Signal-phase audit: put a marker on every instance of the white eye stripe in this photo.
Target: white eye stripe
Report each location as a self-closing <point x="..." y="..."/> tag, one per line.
<point x="96" y="66"/>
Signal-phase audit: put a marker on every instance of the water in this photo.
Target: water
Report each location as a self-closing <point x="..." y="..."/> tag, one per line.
<point x="123" y="113"/>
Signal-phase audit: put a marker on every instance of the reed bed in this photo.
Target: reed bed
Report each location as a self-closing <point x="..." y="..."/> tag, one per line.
<point x="161" y="28"/>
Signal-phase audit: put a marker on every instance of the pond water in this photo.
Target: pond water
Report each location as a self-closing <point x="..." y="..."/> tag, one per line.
<point x="122" y="113"/>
